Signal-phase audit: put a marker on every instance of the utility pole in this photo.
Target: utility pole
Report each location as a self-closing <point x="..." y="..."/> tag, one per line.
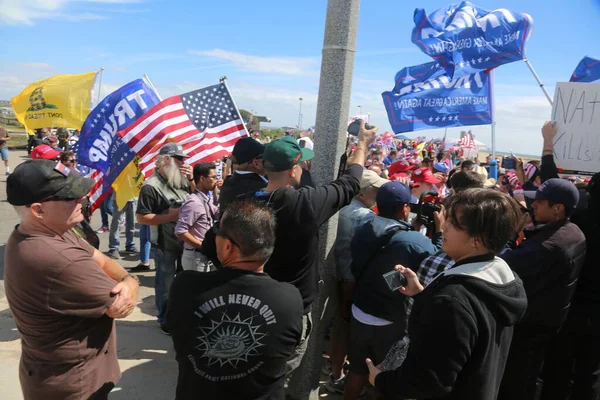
<point x="337" y="66"/>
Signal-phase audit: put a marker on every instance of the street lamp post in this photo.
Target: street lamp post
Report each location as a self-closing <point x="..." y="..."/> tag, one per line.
<point x="300" y="114"/>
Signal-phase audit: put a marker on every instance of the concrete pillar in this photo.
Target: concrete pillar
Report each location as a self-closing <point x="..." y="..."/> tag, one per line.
<point x="337" y="66"/>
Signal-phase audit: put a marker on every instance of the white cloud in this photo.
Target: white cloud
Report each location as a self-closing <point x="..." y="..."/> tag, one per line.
<point x="275" y="65"/>
<point x="26" y="12"/>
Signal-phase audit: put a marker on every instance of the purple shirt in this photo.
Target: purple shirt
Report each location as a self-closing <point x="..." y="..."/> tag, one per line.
<point x="196" y="216"/>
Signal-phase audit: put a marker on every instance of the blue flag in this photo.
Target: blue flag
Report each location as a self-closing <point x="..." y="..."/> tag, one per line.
<point x="426" y="98"/>
<point x="465" y="39"/>
<point x="588" y="70"/>
<point x="99" y="146"/>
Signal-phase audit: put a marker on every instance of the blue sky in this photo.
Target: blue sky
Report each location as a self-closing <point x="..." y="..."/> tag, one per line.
<point x="270" y="52"/>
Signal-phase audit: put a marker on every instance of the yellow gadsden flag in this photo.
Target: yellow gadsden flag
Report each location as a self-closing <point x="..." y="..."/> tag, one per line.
<point x="128" y="184"/>
<point x="62" y="101"/>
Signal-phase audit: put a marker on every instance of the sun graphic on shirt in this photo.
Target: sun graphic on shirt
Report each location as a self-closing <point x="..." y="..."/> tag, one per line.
<point x="230" y="341"/>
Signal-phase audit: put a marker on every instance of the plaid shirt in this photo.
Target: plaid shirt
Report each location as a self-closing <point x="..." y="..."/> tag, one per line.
<point x="432" y="266"/>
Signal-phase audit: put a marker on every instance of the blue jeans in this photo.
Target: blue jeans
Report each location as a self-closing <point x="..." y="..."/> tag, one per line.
<point x="103" y="213"/>
<point x="144" y="244"/>
<point x="166" y="264"/>
<point x="113" y="238"/>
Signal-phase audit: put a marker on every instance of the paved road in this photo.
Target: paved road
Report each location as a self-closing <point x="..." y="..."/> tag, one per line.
<point x="146" y="356"/>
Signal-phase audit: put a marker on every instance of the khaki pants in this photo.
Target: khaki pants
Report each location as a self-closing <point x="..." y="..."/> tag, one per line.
<point x="194" y="261"/>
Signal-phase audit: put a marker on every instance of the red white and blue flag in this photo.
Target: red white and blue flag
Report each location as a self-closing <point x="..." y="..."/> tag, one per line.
<point x="467" y="141"/>
<point x="205" y="122"/>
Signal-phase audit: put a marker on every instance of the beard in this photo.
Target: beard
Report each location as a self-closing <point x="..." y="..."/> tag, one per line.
<point x="173" y="175"/>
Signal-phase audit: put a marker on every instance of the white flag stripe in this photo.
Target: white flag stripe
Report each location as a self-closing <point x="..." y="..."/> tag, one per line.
<point x="150" y="157"/>
<point x="156" y="130"/>
<point x="165" y="110"/>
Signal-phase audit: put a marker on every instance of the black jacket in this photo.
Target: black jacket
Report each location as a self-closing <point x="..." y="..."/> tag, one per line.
<point x="300" y="213"/>
<point x="549" y="262"/>
<point x="238" y="186"/>
<point x="377" y="247"/>
<point x="460" y="331"/>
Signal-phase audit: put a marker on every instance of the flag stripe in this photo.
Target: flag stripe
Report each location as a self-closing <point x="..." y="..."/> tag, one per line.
<point x="164" y="107"/>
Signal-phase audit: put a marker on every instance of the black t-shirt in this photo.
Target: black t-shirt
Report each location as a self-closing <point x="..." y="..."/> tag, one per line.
<point x="233" y="331"/>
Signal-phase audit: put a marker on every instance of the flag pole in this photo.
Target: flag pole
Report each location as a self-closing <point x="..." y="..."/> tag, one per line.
<point x="493" y="110"/>
<point x="223" y="80"/>
<point x="152" y="86"/>
<point x="100" y="85"/>
<point x="537" y="78"/>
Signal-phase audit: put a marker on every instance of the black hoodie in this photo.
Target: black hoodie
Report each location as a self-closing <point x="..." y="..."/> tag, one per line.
<point x="460" y="331"/>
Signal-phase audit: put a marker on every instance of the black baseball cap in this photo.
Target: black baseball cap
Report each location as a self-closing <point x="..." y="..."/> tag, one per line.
<point x="247" y="149"/>
<point x="36" y="180"/>
<point x="172" y="149"/>
<point x="556" y="190"/>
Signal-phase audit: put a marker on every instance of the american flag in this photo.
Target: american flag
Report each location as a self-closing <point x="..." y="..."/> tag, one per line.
<point x="205" y="122"/>
<point x="467" y="141"/>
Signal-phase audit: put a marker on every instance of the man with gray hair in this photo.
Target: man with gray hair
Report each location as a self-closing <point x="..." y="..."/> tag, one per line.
<point x="158" y="206"/>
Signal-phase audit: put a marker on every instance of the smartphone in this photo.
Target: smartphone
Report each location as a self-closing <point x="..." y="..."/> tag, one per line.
<point x="512" y="154"/>
<point x="508" y="163"/>
<point x="395" y="280"/>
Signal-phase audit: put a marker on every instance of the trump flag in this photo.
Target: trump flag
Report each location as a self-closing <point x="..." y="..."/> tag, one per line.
<point x="465" y="39"/>
<point x="424" y="97"/>
<point x="588" y="70"/>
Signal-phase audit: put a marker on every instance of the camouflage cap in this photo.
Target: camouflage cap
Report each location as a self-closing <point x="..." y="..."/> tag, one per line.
<point x="36" y="180"/>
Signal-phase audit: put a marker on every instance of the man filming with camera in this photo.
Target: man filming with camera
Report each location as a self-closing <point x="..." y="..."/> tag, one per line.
<point x="379" y="313"/>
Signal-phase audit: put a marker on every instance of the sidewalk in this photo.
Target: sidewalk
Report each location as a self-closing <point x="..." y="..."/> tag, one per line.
<point x="146" y="356"/>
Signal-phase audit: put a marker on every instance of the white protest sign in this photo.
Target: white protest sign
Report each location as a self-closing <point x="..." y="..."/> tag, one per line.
<point x="576" y="110"/>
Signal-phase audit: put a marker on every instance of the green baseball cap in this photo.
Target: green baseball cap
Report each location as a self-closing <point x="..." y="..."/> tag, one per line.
<point x="282" y="154"/>
<point x="35" y="180"/>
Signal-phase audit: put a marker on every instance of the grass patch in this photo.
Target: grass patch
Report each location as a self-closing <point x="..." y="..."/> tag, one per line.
<point x="18" y="140"/>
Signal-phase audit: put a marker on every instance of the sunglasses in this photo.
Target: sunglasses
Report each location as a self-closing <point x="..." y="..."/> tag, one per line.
<point x="218" y="232"/>
<point x="73" y="161"/>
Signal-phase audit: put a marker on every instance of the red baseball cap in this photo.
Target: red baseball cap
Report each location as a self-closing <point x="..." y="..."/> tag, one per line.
<point x="400" y="166"/>
<point x="44" y="152"/>
<point x="425" y="175"/>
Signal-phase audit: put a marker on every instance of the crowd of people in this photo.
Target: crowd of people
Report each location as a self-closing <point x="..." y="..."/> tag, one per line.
<point x="454" y="281"/>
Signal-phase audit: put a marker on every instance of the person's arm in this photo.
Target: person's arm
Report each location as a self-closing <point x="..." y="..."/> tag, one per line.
<point x="146" y="202"/>
<point x="519" y="172"/>
<point x="326" y="200"/>
<point x="548" y="169"/>
<point x="189" y="214"/>
<point x="433" y="363"/>
<point x="127" y="287"/>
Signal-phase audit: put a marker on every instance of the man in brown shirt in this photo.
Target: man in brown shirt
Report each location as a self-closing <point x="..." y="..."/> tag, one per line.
<point x="62" y="292"/>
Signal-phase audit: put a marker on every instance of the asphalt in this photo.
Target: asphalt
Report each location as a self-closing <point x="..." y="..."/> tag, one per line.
<point x="146" y="356"/>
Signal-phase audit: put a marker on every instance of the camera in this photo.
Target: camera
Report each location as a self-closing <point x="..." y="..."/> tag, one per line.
<point x="354" y="127"/>
<point x="176" y="204"/>
<point x="429" y="202"/>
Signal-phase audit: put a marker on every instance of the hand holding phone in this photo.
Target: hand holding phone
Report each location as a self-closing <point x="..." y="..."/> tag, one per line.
<point x="395" y="280"/>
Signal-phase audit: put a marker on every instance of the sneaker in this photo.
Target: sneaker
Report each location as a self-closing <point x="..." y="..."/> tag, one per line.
<point x="132" y="250"/>
<point x="114" y="254"/>
<point x="140" y="268"/>
<point x="335" y="385"/>
<point x="103" y="229"/>
<point x="165" y="330"/>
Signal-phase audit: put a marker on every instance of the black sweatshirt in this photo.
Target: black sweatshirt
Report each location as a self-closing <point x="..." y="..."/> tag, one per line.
<point x="300" y="213"/>
<point x="239" y="186"/>
<point x="460" y="331"/>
